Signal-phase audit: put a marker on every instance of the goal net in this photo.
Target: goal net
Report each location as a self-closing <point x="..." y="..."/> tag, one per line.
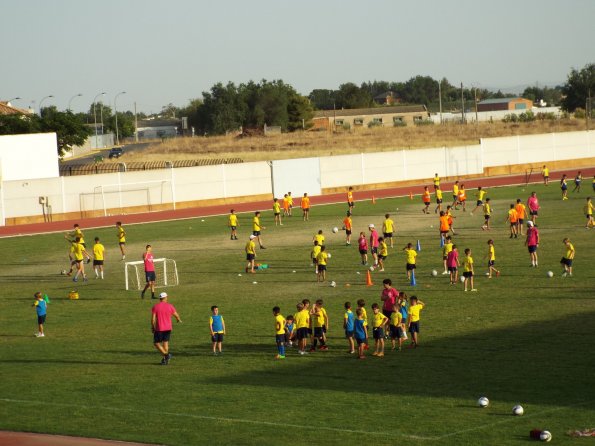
<point x="166" y="274"/>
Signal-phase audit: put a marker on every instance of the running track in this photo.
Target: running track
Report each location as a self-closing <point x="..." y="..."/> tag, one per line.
<point x="148" y="217"/>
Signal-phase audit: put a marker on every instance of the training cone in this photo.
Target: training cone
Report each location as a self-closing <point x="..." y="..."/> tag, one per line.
<point x="411" y="195"/>
<point x="369" y="279"/>
<point x="373" y="199"/>
<point x="413" y="282"/>
<point x="418" y="247"/>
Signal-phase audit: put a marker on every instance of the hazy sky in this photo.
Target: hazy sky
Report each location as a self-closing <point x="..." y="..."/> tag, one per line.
<point x="161" y="52"/>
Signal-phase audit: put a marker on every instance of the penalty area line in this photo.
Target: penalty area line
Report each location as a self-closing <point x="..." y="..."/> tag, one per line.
<point x="219" y="419"/>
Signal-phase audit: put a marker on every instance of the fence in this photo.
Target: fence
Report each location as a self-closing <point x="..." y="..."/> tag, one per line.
<point x="137" y="191"/>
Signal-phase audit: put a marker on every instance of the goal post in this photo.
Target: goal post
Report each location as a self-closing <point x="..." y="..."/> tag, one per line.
<point x="166" y="274"/>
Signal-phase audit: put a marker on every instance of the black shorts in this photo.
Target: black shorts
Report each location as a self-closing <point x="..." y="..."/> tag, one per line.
<point x="513" y="224"/>
<point x="533" y="212"/>
<point x="321" y="267"/>
<point x="467" y="274"/>
<point x="414" y="327"/>
<point x="256" y="233"/>
<point x="97" y="262"/>
<point x="302" y="333"/>
<point x="348" y="231"/>
<point x="351" y="203"/>
<point x="491" y="262"/>
<point x="361" y="341"/>
<point x="217" y="337"/>
<point x="150" y="276"/>
<point x="532" y="248"/>
<point x="438" y="200"/>
<point x="277" y="213"/>
<point x="520" y="221"/>
<point x="363" y="251"/>
<point x="394" y="332"/>
<point x="374" y="250"/>
<point x="378" y="333"/>
<point x="305" y="209"/>
<point x="280" y="338"/>
<point x="427" y="203"/>
<point x="250" y="257"/>
<point x="381" y="257"/>
<point x="454" y="198"/>
<point x="41" y="319"/>
<point x="388" y="234"/>
<point x="487" y="217"/>
<point x="479" y="203"/>
<point x="565" y="261"/>
<point x="348" y="334"/>
<point x="387" y="313"/>
<point x="121" y="243"/>
<point x="161" y="336"/>
<point x="410" y="266"/>
<point x="452" y="269"/>
<point x="318" y="332"/>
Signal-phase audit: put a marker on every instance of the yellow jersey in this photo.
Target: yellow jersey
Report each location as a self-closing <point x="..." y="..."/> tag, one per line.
<point x="276" y="207"/>
<point x="545" y="172"/>
<point x="388" y="226"/>
<point x="414" y="311"/>
<point x="411" y="255"/>
<point x="233" y="220"/>
<point x="396" y="318"/>
<point x="121" y="235"/>
<point x="315" y="251"/>
<point x="321" y="258"/>
<point x="279" y="325"/>
<point x="487" y="209"/>
<point x="302" y="319"/>
<point x="78" y="233"/>
<point x="455" y="190"/>
<point x="364" y="315"/>
<point x="320" y="239"/>
<point x="436" y="181"/>
<point x="569" y="251"/>
<point x="250" y="247"/>
<point x="319" y="318"/>
<point x="256" y="224"/>
<point x="378" y="320"/>
<point x="468" y="263"/>
<point x="446" y="249"/>
<point x="589" y="208"/>
<point x="77" y="250"/>
<point x="383" y="249"/>
<point x="492" y="253"/>
<point x="98" y="251"/>
<point x="481" y="194"/>
<point x="438" y="194"/>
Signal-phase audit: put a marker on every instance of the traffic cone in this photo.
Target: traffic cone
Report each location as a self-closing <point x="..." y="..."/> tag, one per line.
<point x="413" y="282"/>
<point x="418" y="247"/>
<point x="369" y="279"/>
<point x="373" y="199"/>
<point x="410" y="195"/>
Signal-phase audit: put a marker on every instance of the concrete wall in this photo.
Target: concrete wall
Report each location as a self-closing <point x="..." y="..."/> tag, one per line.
<point x="127" y="192"/>
<point x="28" y="156"/>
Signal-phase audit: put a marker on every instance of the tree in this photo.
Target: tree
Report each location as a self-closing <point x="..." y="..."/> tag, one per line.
<point x="300" y="113"/>
<point x="323" y="99"/>
<point x="352" y="96"/>
<point x="19" y="124"/>
<point x="69" y="128"/>
<point x="577" y="88"/>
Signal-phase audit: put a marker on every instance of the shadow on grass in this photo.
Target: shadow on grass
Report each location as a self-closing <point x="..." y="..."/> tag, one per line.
<point x="547" y="362"/>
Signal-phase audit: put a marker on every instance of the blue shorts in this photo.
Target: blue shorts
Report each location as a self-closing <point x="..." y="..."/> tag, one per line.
<point x="41" y="319"/>
<point x="414" y="327"/>
<point x="348" y="334"/>
<point x="565" y="261"/>
<point x="361" y="341"/>
<point x="161" y="336"/>
<point x="302" y="333"/>
<point x="318" y="332"/>
<point x="532" y="248"/>
<point x="394" y="332"/>
<point x="217" y="337"/>
<point x="256" y="233"/>
<point x="150" y="276"/>
<point x="378" y="333"/>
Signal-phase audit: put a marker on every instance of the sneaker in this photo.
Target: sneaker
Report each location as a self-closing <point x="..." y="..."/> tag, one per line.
<point x="39" y="335"/>
<point x="380" y="355"/>
<point x="564" y="274"/>
<point x="324" y="348"/>
<point x="312" y="349"/>
<point x="75" y="280"/>
<point x="497" y="273"/>
<point x="169" y="356"/>
<point x="473" y="289"/>
<point x="279" y="356"/>
<point x="444" y="272"/>
<point x="262" y="247"/>
<point x="163" y="361"/>
<point x="301" y="352"/>
<point x="361" y="357"/>
<point x="375" y="354"/>
<point x="351" y="352"/>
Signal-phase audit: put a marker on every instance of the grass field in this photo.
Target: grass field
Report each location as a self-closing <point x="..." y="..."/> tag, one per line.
<point x="522" y="338"/>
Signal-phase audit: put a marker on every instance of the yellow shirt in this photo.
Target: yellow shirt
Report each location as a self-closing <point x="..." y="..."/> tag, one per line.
<point x="589" y="208"/>
<point x="455" y="190"/>
<point x="321" y="258"/>
<point x="414" y="311"/>
<point x="320" y="239"/>
<point x="290" y="200"/>
<point x="319" y="318"/>
<point x="569" y="251"/>
<point x="256" y="224"/>
<point x="383" y="249"/>
<point x="350" y="197"/>
<point x="250" y="247"/>
<point x="436" y="180"/>
<point x="446" y="249"/>
<point x="468" y="262"/>
<point x="276" y="207"/>
<point x="388" y="226"/>
<point x="480" y="194"/>
<point x="78" y="233"/>
<point x="378" y="320"/>
<point x="487" y="209"/>
<point x="396" y="318"/>
<point x="545" y="172"/>
<point x="364" y="315"/>
<point x="121" y="235"/>
<point x="302" y="319"/>
<point x="315" y="251"/>
<point x="98" y="251"/>
<point x="411" y="255"/>
<point x="233" y="220"/>
<point x="279" y="324"/>
<point x="77" y="250"/>
<point x="492" y="253"/>
<point x="438" y="194"/>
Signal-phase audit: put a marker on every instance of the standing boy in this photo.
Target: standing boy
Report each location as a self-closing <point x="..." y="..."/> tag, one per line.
<point x="302" y="324"/>
<point x="564" y="187"/>
<point x="379" y="322"/>
<point x="452" y="262"/>
<point x="521" y="211"/>
<point x="279" y="333"/>
<point x="121" y="239"/>
<point x="161" y="326"/>
<point x="321" y="261"/>
<point x="319" y="319"/>
<point x="492" y="259"/>
<point x="512" y="218"/>
<point x="414" y="310"/>
<point x="347" y="226"/>
<point x="444" y="226"/>
<point x="41" y="309"/>
<point x="577" y="182"/>
<point x="389" y="297"/>
<point x="314" y="255"/>
<point x="468" y="273"/>
<point x="305" y="205"/>
<point x="277" y="212"/>
<point x="374" y="242"/>
<point x="350" y="200"/>
<point x="233" y="224"/>
<point x="217" y="328"/>
<point x="411" y="259"/>
<point x="250" y="254"/>
<point x="362" y="243"/>
<point x="98" y="258"/>
<point x="568" y="258"/>
<point x="532" y="242"/>
<point x="257" y="228"/>
<point x="589" y="213"/>
<point x="349" y="326"/>
<point x="361" y="333"/>
<point x="148" y="260"/>
<point x="445" y="250"/>
<point x="427" y="200"/>
<point x="487" y="213"/>
<point x="533" y="205"/>
<point x="388" y="228"/>
<point x="545" y="173"/>
<point x="382" y="253"/>
<point x="395" y="328"/>
<point x="438" y="193"/>
<point x="436" y="181"/>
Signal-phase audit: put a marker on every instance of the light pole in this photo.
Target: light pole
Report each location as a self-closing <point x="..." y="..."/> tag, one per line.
<point x="43" y="99"/>
<point x="95" y="115"/>
<point x="70" y="100"/>
<point x="116" y="113"/>
<point x="13" y="99"/>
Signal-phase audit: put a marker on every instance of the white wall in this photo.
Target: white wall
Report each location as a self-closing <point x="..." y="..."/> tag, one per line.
<point x="28" y="156"/>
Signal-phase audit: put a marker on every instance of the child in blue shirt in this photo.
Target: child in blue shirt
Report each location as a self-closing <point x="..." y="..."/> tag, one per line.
<point x="361" y="333"/>
<point x="41" y="308"/>
<point x="289" y="331"/>
<point x="349" y="326"/>
<point x="217" y="327"/>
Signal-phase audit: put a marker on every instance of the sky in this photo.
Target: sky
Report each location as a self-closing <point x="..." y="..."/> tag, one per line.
<point x="170" y="52"/>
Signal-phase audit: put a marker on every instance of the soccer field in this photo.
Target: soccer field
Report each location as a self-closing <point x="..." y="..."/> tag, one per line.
<point x="523" y="338"/>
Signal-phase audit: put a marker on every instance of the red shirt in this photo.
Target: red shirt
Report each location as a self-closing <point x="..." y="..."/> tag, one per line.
<point x="532" y="235"/>
<point x="390" y="294"/>
<point x="374" y="238"/>
<point x="164" y="312"/>
<point x="149" y="265"/>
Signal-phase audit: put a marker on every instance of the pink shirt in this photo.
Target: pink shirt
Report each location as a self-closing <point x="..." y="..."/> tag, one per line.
<point x="164" y="312"/>
<point x="532" y="234"/>
<point x="390" y="294"/>
<point x="363" y="243"/>
<point x="374" y="238"/>
<point x="452" y="259"/>
<point x="148" y="258"/>
<point x="533" y="203"/>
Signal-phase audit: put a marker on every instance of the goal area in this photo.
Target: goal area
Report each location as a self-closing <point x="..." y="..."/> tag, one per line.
<point x="166" y="274"/>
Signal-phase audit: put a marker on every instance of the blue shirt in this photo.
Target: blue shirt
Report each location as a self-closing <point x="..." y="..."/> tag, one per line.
<point x="41" y="307"/>
<point x="403" y="311"/>
<point x="360" y="331"/>
<point x="349" y="320"/>
<point x="217" y="323"/>
<point x="289" y="327"/>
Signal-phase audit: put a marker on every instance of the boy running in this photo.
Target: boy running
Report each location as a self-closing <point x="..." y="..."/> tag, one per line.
<point x="568" y="258"/>
<point x="438" y="193"/>
<point x="79" y="252"/>
<point x="279" y="333"/>
<point x="321" y="261"/>
<point x="150" y="277"/>
<point x="491" y="260"/>
<point x="426" y="198"/>
<point x="455" y="194"/>
<point x="577" y="182"/>
<point x="411" y="259"/>
<point x="382" y="253"/>
<point x="374" y="242"/>
<point x="468" y="273"/>
<point x="379" y="322"/>
<point x="257" y="228"/>
<point x="481" y="193"/>
<point x="564" y="187"/>
<point x="250" y="254"/>
<point x="395" y="328"/>
<point x="350" y="201"/>
<point x="232" y="223"/>
<point x="487" y="213"/>
<point x="533" y="205"/>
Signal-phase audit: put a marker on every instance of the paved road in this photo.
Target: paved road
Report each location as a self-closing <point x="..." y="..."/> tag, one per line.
<point x="90" y="159"/>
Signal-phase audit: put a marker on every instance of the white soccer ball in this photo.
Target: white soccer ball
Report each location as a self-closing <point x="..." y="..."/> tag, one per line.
<point x="462" y="279"/>
<point x="518" y="410"/>
<point x="483" y="402"/>
<point x="487" y="274"/>
<point x="335" y="229"/>
<point x="63" y="272"/>
<point x="329" y="255"/>
<point x="239" y="275"/>
<point x="434" y="273"/>
<point x="293" y="271"/>
<point x="333" y="284"/>
<point x="254" y="283"/>
<point x="545" y="436"/>
<point x="372" y="268"/>
<point x="550" y="274"/>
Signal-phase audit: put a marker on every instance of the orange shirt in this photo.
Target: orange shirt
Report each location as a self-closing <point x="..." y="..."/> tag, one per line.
<point x="305" y="203"/>
<point x="444" y="226"/>
<point x="512" y="215"/>
<point x="426" y="196"/>
<point x="521" y="211"/>
<point x="285" y="204"/>
<point x="347" y="223"/>
<point x="462" y="195"/>
<point x="449" y="215"/>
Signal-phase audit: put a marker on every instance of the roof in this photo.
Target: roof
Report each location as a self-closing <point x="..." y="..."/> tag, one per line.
<point x="371" y="111"/>
<point x="6" y="109"/>
<point x="500" y="100"/>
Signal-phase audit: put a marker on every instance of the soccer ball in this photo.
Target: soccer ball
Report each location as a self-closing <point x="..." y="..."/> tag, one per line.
<point x="63" y="272"/>
<point x="545" y="436"/>
<point x="372" y="268"/>
<point x="335" y="229"/>
<point x="462" y="279"/>
<point x="487" y="274"/>
<point x="518" y="410"/>
<point x="550" y="274"/>
<point x="329" y="255"/>
<point x="483" y="402"/>
<point x="333" y="284"/>
<point x="434" y="273"/>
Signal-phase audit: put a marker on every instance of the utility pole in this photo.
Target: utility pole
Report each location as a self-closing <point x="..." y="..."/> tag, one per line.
<point x="588" y="106"/>
<point x="476" y="117"/>
<point x="440" y="99"/>
<point x="462" y="105"/>
<point x="135" y="124"/>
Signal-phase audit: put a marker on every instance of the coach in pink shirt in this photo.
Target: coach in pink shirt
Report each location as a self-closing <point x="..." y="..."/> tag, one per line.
<point x="389" y="297"/>
<point x="161" y="326"/>
<point x="533" y="205"/>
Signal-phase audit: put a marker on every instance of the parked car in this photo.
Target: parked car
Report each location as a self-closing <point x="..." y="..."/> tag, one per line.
<point x="116" y="152"/>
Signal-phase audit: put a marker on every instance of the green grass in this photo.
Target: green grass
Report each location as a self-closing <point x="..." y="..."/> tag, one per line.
<point x="523" y="338"/>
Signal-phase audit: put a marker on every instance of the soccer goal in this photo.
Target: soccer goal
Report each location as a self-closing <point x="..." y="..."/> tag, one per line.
<point x="166" y="274"/>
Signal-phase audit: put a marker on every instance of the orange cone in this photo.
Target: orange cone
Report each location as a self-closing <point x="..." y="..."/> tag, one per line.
<point x="373" y="199"/>
<point x="410" y="195"/>
<point x="369" y="279"/>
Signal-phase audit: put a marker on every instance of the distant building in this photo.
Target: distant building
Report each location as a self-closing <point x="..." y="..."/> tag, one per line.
<point x="6" y="108"/>
<point x="158" y="128"/>
<point x="504" y="104"/>
<point x="364" y="117"/>
<point x="386" y="98"/>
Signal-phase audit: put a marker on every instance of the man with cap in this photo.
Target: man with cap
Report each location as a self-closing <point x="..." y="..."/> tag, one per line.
<point x="161" y="326"/>
<point x="374" y="243"/>
<point x="532" y="242"/>
<point x="250" y="254"/>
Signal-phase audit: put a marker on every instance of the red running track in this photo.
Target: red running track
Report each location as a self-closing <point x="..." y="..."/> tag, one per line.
<point x="148" y="217"/>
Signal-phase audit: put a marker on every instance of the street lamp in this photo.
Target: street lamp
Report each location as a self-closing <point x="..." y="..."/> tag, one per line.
<point x="70" y="100"/>
<point x="116" y="112"/>
<point x="13" y="99"/>
<point x="43" y="99"/>
<point x="95" y="115"/>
